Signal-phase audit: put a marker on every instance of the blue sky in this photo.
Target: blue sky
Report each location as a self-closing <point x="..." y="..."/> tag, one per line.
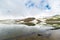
<point x="17" y="9"/>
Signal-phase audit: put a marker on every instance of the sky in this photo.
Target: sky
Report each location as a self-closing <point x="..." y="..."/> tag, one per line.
<point x="16" y="9"/>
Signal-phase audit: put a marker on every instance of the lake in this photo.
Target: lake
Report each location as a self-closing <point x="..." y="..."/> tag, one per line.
<point x="19" y="30"/>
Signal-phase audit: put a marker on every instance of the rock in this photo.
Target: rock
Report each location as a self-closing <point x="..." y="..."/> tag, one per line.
<point x="28" y="19"/>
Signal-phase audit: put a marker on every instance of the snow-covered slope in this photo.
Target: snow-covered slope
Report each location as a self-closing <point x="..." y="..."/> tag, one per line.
<point x="28" y="8"/>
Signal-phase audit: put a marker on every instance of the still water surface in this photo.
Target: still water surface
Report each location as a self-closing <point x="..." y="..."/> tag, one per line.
<point x="14" y="30"/>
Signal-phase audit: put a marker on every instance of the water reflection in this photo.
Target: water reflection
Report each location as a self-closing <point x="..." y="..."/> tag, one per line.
<point x="14" y="30"/>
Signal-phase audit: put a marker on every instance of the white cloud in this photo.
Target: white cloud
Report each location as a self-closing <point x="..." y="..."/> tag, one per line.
<point x="17" y="9"/>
